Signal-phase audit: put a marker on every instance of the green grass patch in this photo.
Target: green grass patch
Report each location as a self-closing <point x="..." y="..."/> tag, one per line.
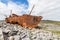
<point x="54" y="31"/>
<point x="51" y="22"/>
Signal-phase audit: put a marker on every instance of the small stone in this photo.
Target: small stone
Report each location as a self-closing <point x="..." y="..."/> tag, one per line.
<point x="26" y="38"/>
<point x="12" y="33"/>
<point x="16" y="37"/>
<point x="11" y="38"/>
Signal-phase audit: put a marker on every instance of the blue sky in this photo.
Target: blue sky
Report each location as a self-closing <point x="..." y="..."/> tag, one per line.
<point x="49" y="9"/>
<point x="17" y="7"/>
<point x="18" y="2"/>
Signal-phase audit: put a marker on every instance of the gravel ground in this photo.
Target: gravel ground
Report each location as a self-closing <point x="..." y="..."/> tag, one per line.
<point x="16" y="32"/>
<point x="50" y="26"/>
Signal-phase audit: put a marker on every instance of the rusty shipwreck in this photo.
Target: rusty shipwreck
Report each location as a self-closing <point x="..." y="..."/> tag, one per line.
<point x="25" y="20"/>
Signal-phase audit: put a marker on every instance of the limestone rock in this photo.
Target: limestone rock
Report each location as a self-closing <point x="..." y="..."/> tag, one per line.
<point x="1" y="35"/>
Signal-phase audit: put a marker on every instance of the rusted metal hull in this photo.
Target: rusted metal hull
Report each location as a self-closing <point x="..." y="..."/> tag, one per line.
<point x="27" y="21"/>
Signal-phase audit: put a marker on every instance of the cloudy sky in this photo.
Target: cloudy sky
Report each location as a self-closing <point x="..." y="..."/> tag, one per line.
<point x="49" y="9"/>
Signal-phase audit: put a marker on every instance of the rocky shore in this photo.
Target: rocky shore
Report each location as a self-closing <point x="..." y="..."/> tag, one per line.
<point x="16" y="32"/>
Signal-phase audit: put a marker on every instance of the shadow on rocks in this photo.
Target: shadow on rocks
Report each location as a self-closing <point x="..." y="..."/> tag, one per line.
<point x="38" y="27"/>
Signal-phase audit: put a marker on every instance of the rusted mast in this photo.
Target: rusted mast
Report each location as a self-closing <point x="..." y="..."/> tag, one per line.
<point x="10" y="11"/>
<point x="31" y="9"/>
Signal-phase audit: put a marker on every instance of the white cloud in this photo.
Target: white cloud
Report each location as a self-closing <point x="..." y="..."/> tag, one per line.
<point x="49" y="9"/>
<point x="5" y="9"/>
